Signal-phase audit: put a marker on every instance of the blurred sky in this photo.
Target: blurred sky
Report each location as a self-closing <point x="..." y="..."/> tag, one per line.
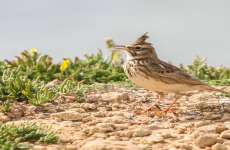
<point x="179" y="29"/>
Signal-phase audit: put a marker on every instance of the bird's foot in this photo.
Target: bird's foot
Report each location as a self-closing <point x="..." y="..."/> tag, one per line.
<point x="157" y="111"/>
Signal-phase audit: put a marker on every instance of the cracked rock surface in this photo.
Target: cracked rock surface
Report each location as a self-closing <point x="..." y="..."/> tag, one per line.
<point x="117" y="120"/>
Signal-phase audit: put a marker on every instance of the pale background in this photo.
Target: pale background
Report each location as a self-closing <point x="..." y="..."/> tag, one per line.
<point x="179" y="29"/>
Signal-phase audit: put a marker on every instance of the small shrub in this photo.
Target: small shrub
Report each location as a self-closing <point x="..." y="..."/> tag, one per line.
<point x="13" y="137"/>
<point x="212" y="75"/>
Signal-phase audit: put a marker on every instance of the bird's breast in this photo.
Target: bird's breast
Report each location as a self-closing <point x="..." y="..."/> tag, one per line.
<point x="152" y="83"/>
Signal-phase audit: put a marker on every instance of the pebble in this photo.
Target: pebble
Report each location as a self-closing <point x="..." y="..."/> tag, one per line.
<point x="100" y="114"/>
<point x="183" y="146"/>
<point x="202" y="123"/>
<point x="89" y="106"/>
<point x="68" y="115"/>
<point x="219" y="146"/>
<point x="154" y="139"/>
<point x="39" y="147"/>
<point x="167" y="135"/>
<point x="227" y="124"/>
<point x="105" y="127"/>
<point x="116" y="97"/>
<point x="220" y="128"/>
<point x="4" y="118"/>
<point x="30" y="110"/>
<point x="227" y="143"/>
<point x="119" y="127"/>
<point x="126" y="133"/>
<point x="53" y="147"/>
<point x="100" y="144"/>
<point x="93" y="98"/>
<point x="206" y="140"/>
<point x="141" y="132"/>
<point x="116" y="119"/>
<point x="17" y="111"/>
<point x="70" y="147"/>
<point x="225" y="134"/>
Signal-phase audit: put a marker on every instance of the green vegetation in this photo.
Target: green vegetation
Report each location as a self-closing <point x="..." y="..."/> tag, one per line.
<point x="32" y="77"/>
<point x="13" y="137"/>
<point x="211" y="75"/>
<point x="26" y="77"/>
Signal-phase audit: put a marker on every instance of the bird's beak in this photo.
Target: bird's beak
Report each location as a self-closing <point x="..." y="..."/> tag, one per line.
<point x="119" y="46"/>
<point x="122" y="47"/>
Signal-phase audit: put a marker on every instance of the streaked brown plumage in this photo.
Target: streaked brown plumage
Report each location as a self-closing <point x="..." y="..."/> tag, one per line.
<point x="145" y="69"/>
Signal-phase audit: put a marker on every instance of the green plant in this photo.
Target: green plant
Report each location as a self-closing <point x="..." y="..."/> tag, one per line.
<point x="5" y="107"/>
<point x="26" y="77"/>
<point x="12" y="137"/>
<point x="212" y="75"/>
<point x="16" y="85"/>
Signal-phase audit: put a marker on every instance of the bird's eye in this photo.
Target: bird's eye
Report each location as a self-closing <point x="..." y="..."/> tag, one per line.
<point x="138" y="47"/>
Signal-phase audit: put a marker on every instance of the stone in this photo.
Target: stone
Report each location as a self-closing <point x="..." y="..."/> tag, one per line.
<point x="227" y="143"/>
<point x="30" y="110"/>
<point x="183" y="146"/>
<point x="89" y="106"/>
<point x="62" y="99"/>
<point x="167" y="135"/>
<point x="68" y="116"/>
<point x="202" y="123"/>
<point x="121" y="126"/>
<point x="53" y="147"/>
<point x="17" y="111"/>
<point x="90" y="130"/>
<point x="105" y="127"/>
<point x="116" y="120"/>
<point x="116" y="97"/>
<point x="141" y="132"/>
<point x="39" y="147"/>
<point x="4" y="118"/>
<point x="227" y="124"/>
<point x="100" y="144"/>
<point x="225" y="134"/>
<point x="70" y="147"/>
<point x="126" y="133"/>
<point x="220" y="128"/>
<point x="93" y="98"/>
<point x="154" y="139"/>
<point x="206" y="140"/>
<point x="219" y="146"/>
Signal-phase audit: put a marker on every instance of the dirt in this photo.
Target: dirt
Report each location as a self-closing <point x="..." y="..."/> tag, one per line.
<point x="127" y="119"/>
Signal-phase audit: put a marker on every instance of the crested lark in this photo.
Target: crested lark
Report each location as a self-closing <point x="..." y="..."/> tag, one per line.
<point x="145" y="69"/>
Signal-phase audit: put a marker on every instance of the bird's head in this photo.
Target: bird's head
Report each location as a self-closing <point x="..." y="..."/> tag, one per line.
<point x="139" y="49"/>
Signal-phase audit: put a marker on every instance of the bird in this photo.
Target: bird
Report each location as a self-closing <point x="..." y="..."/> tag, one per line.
<point x="145" y="69"/>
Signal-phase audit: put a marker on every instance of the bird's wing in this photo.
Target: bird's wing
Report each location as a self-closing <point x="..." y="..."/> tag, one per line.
<point x="173" y="75"/>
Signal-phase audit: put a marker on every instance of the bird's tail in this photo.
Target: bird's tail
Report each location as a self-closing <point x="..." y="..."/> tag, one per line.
<point x="212" y="89"/>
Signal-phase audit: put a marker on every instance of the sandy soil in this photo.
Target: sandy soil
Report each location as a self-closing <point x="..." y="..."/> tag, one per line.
<point x="116" y="119"/>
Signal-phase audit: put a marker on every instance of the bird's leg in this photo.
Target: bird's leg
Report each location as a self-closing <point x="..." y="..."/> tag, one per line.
<point x="155" y="108"/>
<point x="169" y="108"/>
<point x="164" y="112"/>
<point x="158" y="111"/>
<point x="160" y="97"/>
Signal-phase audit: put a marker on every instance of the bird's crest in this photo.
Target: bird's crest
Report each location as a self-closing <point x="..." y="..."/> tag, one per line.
<point x="142" y="40"/>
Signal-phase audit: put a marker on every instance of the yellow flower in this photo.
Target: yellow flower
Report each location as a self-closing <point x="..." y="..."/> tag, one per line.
<point x="33" y="51"/>
<point x="116" y="58"/>
<point x="24" y="93"/>
<point x="65" y="65"/>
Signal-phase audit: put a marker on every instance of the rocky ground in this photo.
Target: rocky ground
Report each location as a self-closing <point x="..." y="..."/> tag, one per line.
<point x="116" y="119"/>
